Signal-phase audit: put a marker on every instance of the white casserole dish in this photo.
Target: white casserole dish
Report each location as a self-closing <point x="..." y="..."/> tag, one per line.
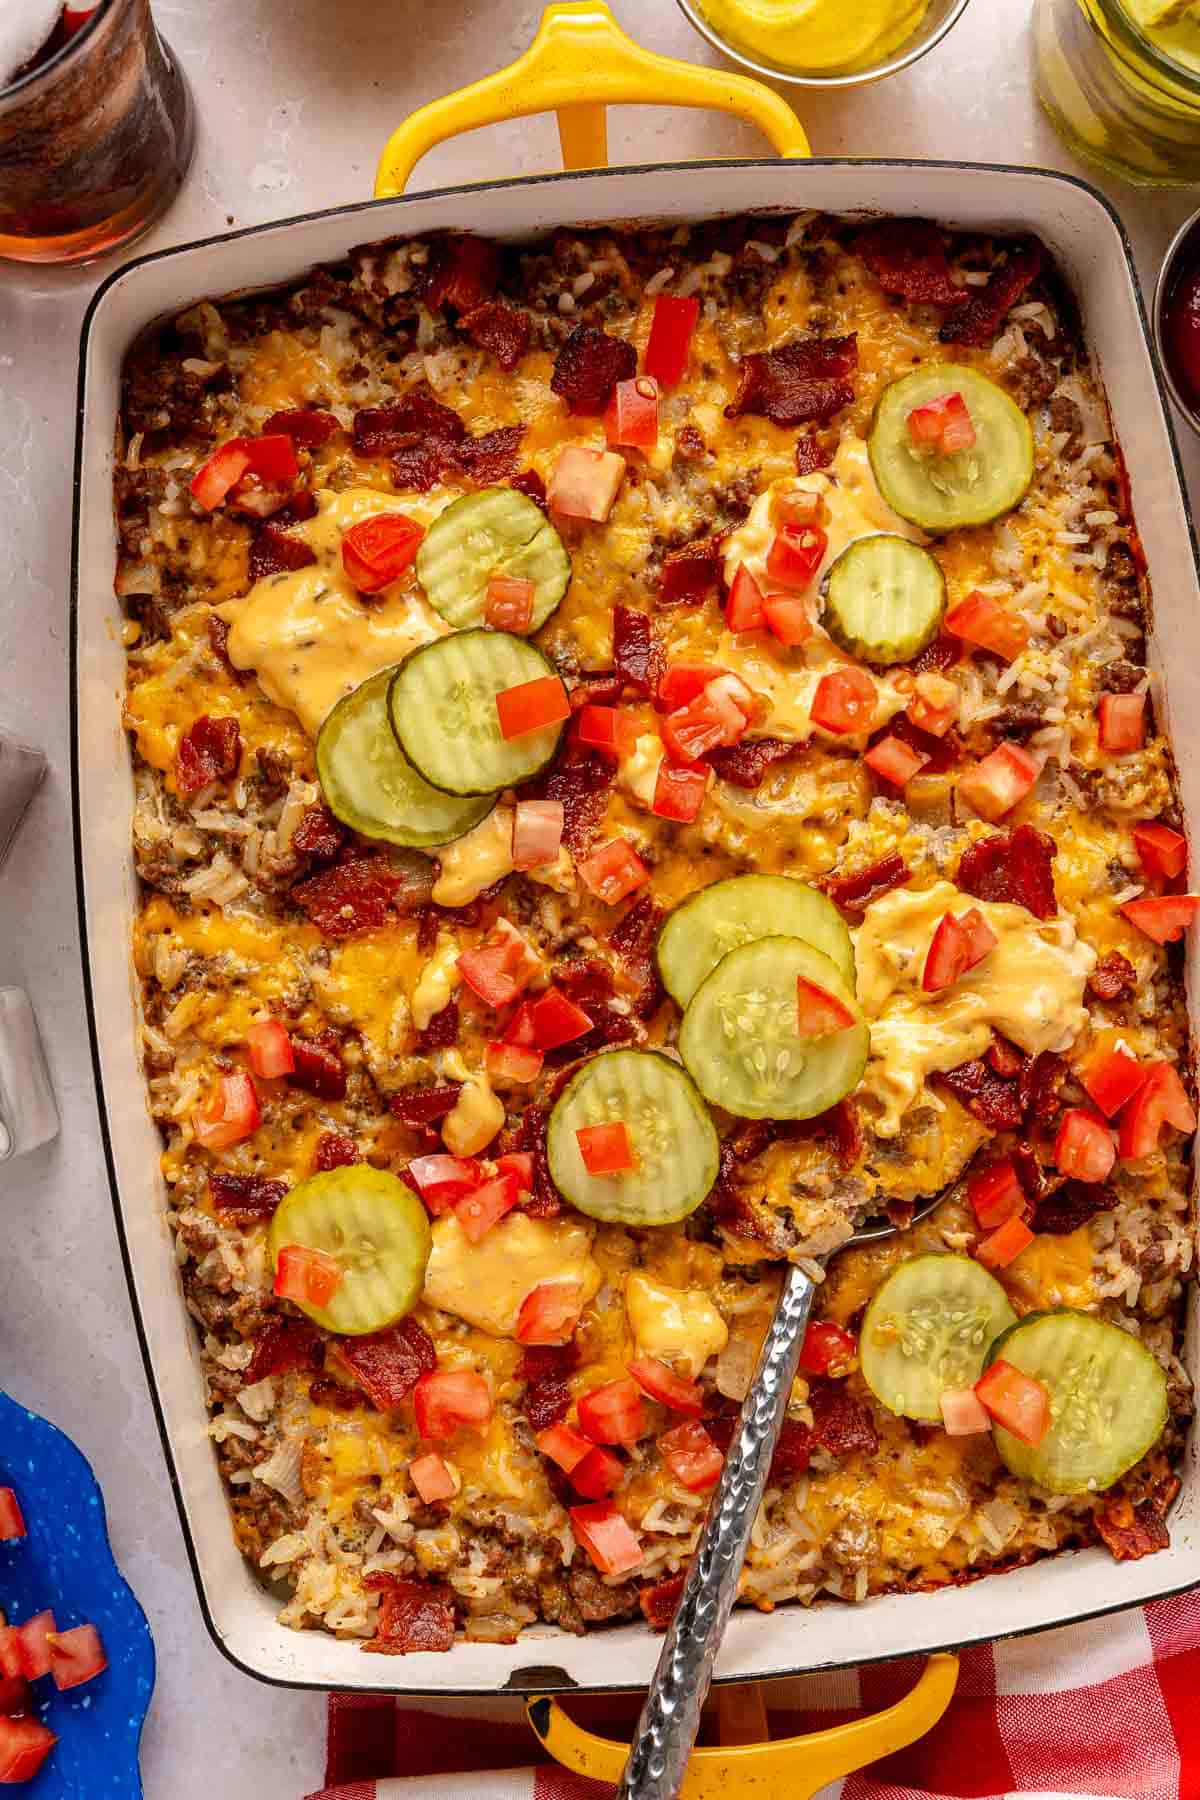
<point x="1087" y="239"/>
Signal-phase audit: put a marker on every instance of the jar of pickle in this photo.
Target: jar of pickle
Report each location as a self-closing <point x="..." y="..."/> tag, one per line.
<point x="1120" y="80"/>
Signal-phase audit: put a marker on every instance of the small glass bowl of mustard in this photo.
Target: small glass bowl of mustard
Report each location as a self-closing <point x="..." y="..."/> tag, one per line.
<point x="824" y="43"/>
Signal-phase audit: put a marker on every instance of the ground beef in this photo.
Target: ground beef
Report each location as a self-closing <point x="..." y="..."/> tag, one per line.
<point x="597" y="1601"/>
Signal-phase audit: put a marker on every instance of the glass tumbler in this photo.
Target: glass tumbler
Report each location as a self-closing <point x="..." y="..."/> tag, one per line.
<point x="95" y="139"/>
<point x="1115" y="96"/>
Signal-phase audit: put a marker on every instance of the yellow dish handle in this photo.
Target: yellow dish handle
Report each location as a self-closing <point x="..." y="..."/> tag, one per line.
<point x="798" y="1767"/>
<point x="580" y="48"/>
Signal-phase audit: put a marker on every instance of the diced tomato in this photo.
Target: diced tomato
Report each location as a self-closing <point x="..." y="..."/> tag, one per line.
<point x="1004" y="1244"/>
<point x="691" y="1455"/>
<point x="273" y="458"/>
<point x="744" y="607"/>
<point x="12" y="1520"/>
<point x="520" y="1164"/>
<point x="221" y="473"/>
<point x="478" y="1211"/>
<point x="24" y="1747"/>
<point x="1122" y="722"/>
<point x="895" y="760"/>
<point x="683" y="681"/>
<point x="963" y="1413"/>
<point x="508" y="603"/>
<point x="513" y="1062"/>
<point x="679" y="793"/>
<point x="441" y="1180"/>
<point x="609" y="1540"/>
<point x="76" y="1656"/>
<point x="661" y="1383"/>
<point x="796" y="554"/>
<point x="231" y="1115"/>
<point x="632" y="415"/>
<point x="613" y="1414"/>
<point x="612" y="729"/>
<point x="1163" y="917"/>
<point x="787" y="618"/>
<point x="980" y="620"/>
<point x="563" y="1446"/>
<point x="1161" y="851"/>
<point x="935" y="703"/>
<point x="1111" y="1077"/>
<point x="943" y="424"/>
<point x="717" y="716"/>
<point x="270" y="1049"/>
<point x="584" y="483"/>
<point x="996" y="1194"/>
<point x="1084" y="1147"/>
<point x="376" y="551"/>
<point x="606" y="1149"/>
<point x="309" y="1277"/>
<point x="33" y="1645"/>
<point x="485" y="974"/>
<point x="818" y="1011"/>
<point x="598" y="1474"/>
<point x="827" y="1349"/>
<point x="956" y="947"/>
<point x="1161" y="1100"/>
<point x="549" y="1313"/>
<point x="671" y="330"/>
<point x="531" y="706"/>
<point x="555" y="1020"/>
<point x="537" y="833"/>
<point x="997" y="783"/>
<point x="1015" y="1400"/>
<point x="845" y="701"/>
<point x="613" y="871"/>
<point x="450" y="1400"/>
<point x="432" y="1478"/>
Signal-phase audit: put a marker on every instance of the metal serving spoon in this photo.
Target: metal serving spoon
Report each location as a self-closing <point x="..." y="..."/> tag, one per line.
<point x="670" y="1718"/>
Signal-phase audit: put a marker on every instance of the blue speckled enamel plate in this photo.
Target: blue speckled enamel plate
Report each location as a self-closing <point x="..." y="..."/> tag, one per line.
<point x="66" y="1564"/>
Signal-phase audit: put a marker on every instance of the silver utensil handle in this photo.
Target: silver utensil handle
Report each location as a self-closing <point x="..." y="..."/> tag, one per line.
<point x="670" y="1718"/>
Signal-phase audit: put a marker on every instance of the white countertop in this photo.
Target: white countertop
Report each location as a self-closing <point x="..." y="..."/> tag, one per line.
<point x="292" y="113"/>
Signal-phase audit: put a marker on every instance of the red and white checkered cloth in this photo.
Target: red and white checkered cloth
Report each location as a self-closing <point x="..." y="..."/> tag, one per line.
<point x="1106" y="1708"/>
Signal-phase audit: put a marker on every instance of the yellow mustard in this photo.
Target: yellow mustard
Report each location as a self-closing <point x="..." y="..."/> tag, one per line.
<point x="815" y="36"/>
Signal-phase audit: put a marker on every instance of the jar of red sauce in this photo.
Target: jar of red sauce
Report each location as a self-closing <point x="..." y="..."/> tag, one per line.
<point x="1177" y="319"/>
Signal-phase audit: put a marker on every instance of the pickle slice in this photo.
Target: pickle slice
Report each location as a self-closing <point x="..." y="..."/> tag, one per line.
<point x="377" y="1230"/>
<point x="442" y="703"/>
<point x="740" y="1038"/>
<point x="967" y="487"/>
<point x="674" y="1141"/>
<point x="728" y="914"/>
<point x="884" y="599"/>
<point x="370" y="785"/>
<point x="927" y="1332"/>
<point x="494" y="532"/>
<point x="1108" y="1400"/>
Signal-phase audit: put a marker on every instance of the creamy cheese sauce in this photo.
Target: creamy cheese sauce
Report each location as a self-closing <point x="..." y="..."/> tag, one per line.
<point x="678" y="1326"/>
<point x="1029" y="988"/>
<point x="485" y="1283"/>
<point x="474" y="862"/>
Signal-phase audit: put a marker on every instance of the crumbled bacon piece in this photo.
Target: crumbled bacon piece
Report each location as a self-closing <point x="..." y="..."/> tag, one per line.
<point x="413" y="1615"/>
<point x="250" y="1195"/>
<point x="418" y="1106"/>
<point x="811" y="454"/>
<point x="388" y="1364"/>
<point x="1005" y="1058"/>
<point x="977" y="319"/>
<point x="544" y="1369"/>
<point x="1013" y="867"/>
<point x="273" y="552"/>
<point x="318" y="834"/>
<point x="530" y="483"/>
<point x="583" y="979"/>
<point x="1131" y="1531"/>
<point x="691" y="573"/>
<point x="582" y="785"/>
<point x="500" y="330"/>
<point x="938" y="656"/>
<point x="802" y="381"/>
<point x="492" y="457"/>
<point x="1113" y="977"/>
<point x="218" y="639"/>
<point x="841" y="1424"/>
<point x="355" y="895"/>
<point x="305" y="426"/>
<point x="1042" y="1085"/>
<point x="302" y="505"/>
<point x="994" y="1099"/>
<point x="209" y="750"/>
<point x="441" y="1031"/>
<point x="638" y="657"/>
<point x="1071" y="1206"/>
<point x="747" y="764"/>
<point x="419" y="467"/>
<point x="318" y="1066"/>
<point x="459" y="270"/>
<point x="1028" y="1165"/>
<point x="852" y="893"/>
<point x="596" y="690"/>
<point x="589" y="366"/>
<point x="336" y="1151"/>
<point x="334" y="1396"/>
<point x="659" y="1600"/>
<point x="608" y="1029"/>
<point x="281" y="1345"/>
<point x="941" y="753"/>
<point x="543" y="1200"/>
<point x="908" y="257"/>
<point x="416" y="417"/>
<point x="633" y="940"/>
<point x="842" y="1123"/>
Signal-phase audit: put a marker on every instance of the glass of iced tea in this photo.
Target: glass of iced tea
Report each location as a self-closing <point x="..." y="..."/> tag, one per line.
<point x="96" y="131"/>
